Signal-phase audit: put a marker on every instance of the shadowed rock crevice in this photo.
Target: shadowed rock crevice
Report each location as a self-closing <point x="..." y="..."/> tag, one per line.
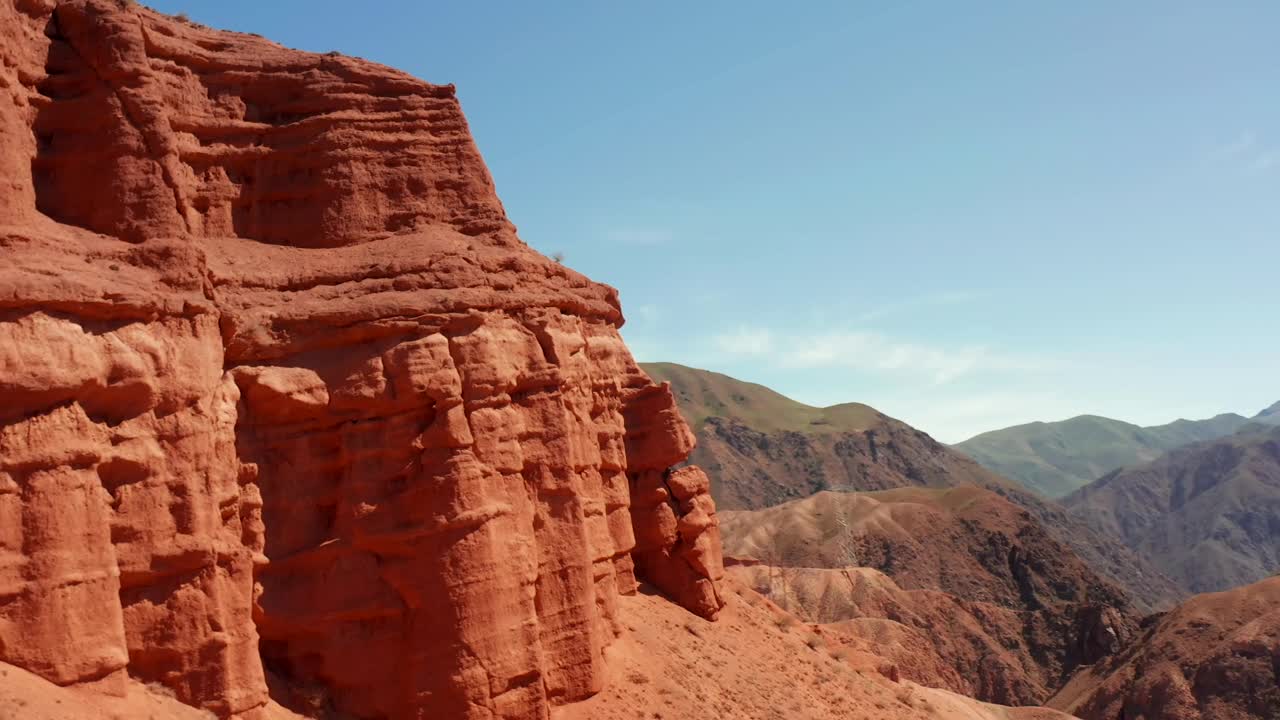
<point x="93" y="126"/>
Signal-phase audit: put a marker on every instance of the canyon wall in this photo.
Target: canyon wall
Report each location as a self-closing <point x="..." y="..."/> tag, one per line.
<point x="287" y="409"/>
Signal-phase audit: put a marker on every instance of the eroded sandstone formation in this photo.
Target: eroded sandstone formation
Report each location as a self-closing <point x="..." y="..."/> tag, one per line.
<point x="285" y="402"/>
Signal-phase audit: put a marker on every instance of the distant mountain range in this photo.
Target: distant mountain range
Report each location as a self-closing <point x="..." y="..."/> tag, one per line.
<point x="1056" y="458"/>
<point x="960" y="578"/>
<point x="761" y="449"/>
<point x="1207" y="514"/>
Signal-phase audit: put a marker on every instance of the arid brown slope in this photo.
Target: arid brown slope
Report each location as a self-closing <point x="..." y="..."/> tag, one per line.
<point x="25" y="696"/>
<point x="1215" y="657"/>
<point x="283" y="397"/>
<point x="989" y="554"/>
<point x="925" y="636"/>
<point x="756" y="662"/>
<point x="1208" y="515"/>
<point x="761" y="448"/>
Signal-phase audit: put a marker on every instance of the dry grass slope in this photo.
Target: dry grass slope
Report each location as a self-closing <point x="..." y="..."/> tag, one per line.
<point x="703" y="394"/>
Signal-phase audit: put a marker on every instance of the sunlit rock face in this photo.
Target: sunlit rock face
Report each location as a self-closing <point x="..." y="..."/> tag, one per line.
<point x="285" y="404"/>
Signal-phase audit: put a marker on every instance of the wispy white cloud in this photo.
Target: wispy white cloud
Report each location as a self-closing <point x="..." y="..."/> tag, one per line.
<point x="1251" y="149"/>
<point x="932" y="300"/>
<point x="1238" y="145"/>
<point x="647" y="314"/>
<point x="953" y="418"/>
<point x="869" y="351"/>
<point x="745" y="341"/>
<point x="1267" y="160"/>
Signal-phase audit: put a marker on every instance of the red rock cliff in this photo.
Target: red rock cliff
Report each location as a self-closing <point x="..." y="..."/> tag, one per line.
<point x="284" y="400"/>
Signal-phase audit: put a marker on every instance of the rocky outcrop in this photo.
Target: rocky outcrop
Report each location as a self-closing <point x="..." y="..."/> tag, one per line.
<point x="127" y="539"/>
<point x="677" y="532"/>
<point x="287" y="409"/>
<point x="1215" y="656"/>
<point x="225" y="135"/>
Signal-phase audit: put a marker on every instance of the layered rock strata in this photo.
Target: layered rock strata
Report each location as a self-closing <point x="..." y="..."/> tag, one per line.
<point x="284" y="401"/>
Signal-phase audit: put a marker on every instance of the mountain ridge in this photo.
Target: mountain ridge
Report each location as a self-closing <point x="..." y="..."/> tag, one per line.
<point x="753" y="468"/>
<point x="766" y="408"/>
<point x="1269" y="415"/>
<point x="1054" y="458"/>
<point x="1207" y="514"/>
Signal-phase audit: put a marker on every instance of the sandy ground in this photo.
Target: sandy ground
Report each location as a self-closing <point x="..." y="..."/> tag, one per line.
<point x="749" y="664"/>
<point x="24" y="696"/>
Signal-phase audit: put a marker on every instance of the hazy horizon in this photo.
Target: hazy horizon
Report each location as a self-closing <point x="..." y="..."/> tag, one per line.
<point x="966" y="217"/>
<point x="1248" y="414"/>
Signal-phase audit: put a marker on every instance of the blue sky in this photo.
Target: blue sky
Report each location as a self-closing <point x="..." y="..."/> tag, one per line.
<point x="968" y="215"/>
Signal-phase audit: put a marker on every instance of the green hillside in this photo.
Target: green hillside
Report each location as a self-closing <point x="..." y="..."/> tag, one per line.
<point x="1056" y="458"/>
